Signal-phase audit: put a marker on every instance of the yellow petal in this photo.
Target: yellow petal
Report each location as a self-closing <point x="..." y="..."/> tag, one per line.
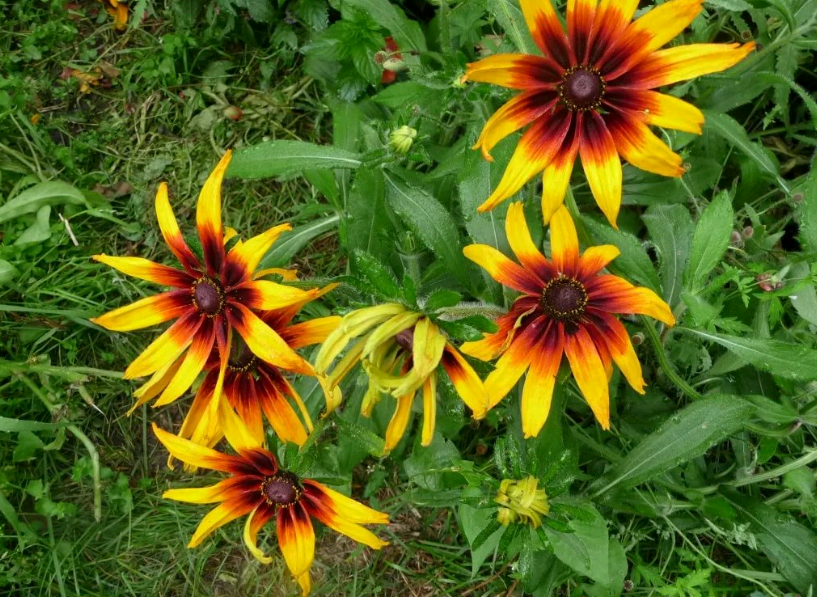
<point x="429" y="408"/>
<point x="588" y="371"/>
<point x="429" y="344"/>
<point x="564" y="242"/>
<point x="146" y="312"/>
<point x="399" y="421"/>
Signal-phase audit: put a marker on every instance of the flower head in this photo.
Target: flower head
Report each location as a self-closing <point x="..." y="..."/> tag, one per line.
<point x="567" y="307"/>
<point x="209" y="299"/>
<point x="521" y="501"/>
<point x="590" y="96"/>
<point x="401" y="139"/>
<point x="258" y="488"/>
<point x="401" y="351"/>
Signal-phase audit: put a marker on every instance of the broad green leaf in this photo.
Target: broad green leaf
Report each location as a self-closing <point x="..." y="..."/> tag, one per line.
<point x="808" y="212"/>
<point x="366" y="267"/>
<point x="731" y="130"/>
<point x="633" y="262"/>
<point x="34" y="198"/>
<point x="7" y="272"/>
<point x="367" y="222"/>
<point x="731" y="4"/>
<point x="406" y="32"/>
<point x="285" y="249"/>
<point x="9" y="425"/>
<point x="792" y="361"/>
<point x="482" y="531"/>
<point x="685" y="435"/>
<point x="790" y="546"/>
<point x="510" y="17"/>
<point x="710" y="241"/>
<point x="40" y="229"/>
<point x="671" y="230"/>
<point x="442" y="298"/>
<point x="429" y="220"/>
<point x="275" y="158"/>
<point x="360" y="436"/>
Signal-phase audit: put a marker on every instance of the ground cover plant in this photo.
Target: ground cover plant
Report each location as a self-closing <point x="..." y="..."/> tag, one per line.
<point x="357" y="297"/>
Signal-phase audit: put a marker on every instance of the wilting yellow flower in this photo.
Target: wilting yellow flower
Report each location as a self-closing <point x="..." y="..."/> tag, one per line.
<point x="119" y="11"/>
<point x="400" y="351"/>
<point x="521" y="501"/>
<point x="258" y="488"/>
<point x="566" y="307"/>
<point x="210" y="299"/>
<point x="590" y="95"/>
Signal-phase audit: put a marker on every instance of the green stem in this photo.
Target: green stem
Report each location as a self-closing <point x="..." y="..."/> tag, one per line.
<point x="81" y="437"/>
<point x="445" y="30"/>
<point x="663" y="360"/>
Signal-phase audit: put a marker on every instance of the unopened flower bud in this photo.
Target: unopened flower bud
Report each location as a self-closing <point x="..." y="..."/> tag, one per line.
<point x="524" y="501"/>
<point x="234" y="113"/>
<point x="401" y="139"/>
<point x="458" y="82"/>
<point x="394" y="64"/>
<point x="748" y="232"/>
<point x="736" y="240"/>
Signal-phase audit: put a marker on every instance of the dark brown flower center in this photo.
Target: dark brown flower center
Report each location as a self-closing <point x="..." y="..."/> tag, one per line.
<point x="564" y="299"/>
<point x="241" y="357"/>
<point x="581" y="88"/>
<point x="208" y="295"/>
<point x="281" y="490"/>
<point x="405" y="339"/>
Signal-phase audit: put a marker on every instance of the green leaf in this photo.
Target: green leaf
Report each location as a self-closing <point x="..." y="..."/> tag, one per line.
<point x="791" y="361"/>
<point x="731" y="4"/>
<point x="808" y="212"/>
<point x="275" y="158"/>
<point x="374" y="274"/>
<point x="671" y="229"/>
<point x="510" y="17"/>
<point x="406" y="32"/>
<point x="284" y="250"/>
<point x="360" y="436"/>
<point x="731" y="130"/>
<point x="710" y="241"/>
<point x="45" y="193"/>
<point x="790" y="546"/>
<point x="687" y="434"/>
<point x="442" y="298"/>
<point x="633" y="261"/>
<point x="7" y="272"/>
<point x="40" y="229"/>
<point x="429" y="220"/>
<point x="367" y="223"/>
<point x="27" y="446"/>
<point x="17" y="425"/>
<point x="482" y="531"/>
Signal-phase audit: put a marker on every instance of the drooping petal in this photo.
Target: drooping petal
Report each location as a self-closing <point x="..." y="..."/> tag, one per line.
<point x="503" y="270"/>
<point x="648" y="33"/>
<point x="399" y="421"/>
<point x="309" y="332"/>
<point x="521" y="110"/>
<point x="515" y="71"/>
<point x="149" y="311"/>
<point x="240" y="391"/>
<point x="615" y="295"/>
<point x="428" y="346"/>
<point x="536" y="149"/>
<point x="172" y="235"/>
<point x="546" y="30"/>
<point x="595" y="259"/>
<point x="244" y="257"/>
<point x="429" y="408"/>
<point x="218" y="517"/>
<point x="255" y="521"/>
<point x="264" y="342"/>
<point x="684" y="62"/>
<point x="192" y="427"/>
<point x="238" y="435"/>
<point x="537" y="392"/>
<point x="492" y="345"/>
<point x="195" y="454"/>
<point x="192" y="365"/>
<point x="466" y="381"/>
<point x="512" y="364"/>
<point x="580" y="17"/>
<point x="588" y="371"/>
<point x="154" y="386"/>
<point x="166" y="348"/>
<point x="208" y="217"/>
<point x="144" y="269"/>
<point x="564" y="243"/>
<point x="556" y="177"/>
<point x="340" y="523"/>
<point x="264" y="295"/>
<point x="656" y="108"/>
<point x="602" y="166"/>
<point x="639" y="146"/>
<point x="519" y="238"/>
<point x="279" y="413"/>
<point x="621" y="348"/>
<point x="296" y="538"/>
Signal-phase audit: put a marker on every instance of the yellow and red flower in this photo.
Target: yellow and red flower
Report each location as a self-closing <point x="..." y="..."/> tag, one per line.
<point x="400" y="353"/>
<point x="119" y="11"/>
<point x="259" y="489"/>
<point x="254" y="388"/>
<point x="591" y="96"/>
<point x="209" y="299"/>
<point x="567" y="307"/>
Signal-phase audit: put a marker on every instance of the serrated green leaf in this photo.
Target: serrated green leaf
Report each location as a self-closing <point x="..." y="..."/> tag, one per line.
<point x="671" y="229"/>
<point x="285" y="249"/>
<point x="731" y="4"/>
<point x="442" y="298"/>
<point x="406" y="32"/>
<point x="808" y="212"/>
<point x="791" y="361"/>
<point x="511" y="19"/>
<point x="429" y="220"/>
<point x="710" y="240"/>
<point x="685" y="435"/>
<point x="275" y="158"/>
<point x="633" y="262"/>
<point x="731" y="130"/>
<point x="360" y="436"/>
<point x="375" y="275"/>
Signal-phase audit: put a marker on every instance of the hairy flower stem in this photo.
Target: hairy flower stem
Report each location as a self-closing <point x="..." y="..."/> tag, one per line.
<point x="663" y="360"/>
